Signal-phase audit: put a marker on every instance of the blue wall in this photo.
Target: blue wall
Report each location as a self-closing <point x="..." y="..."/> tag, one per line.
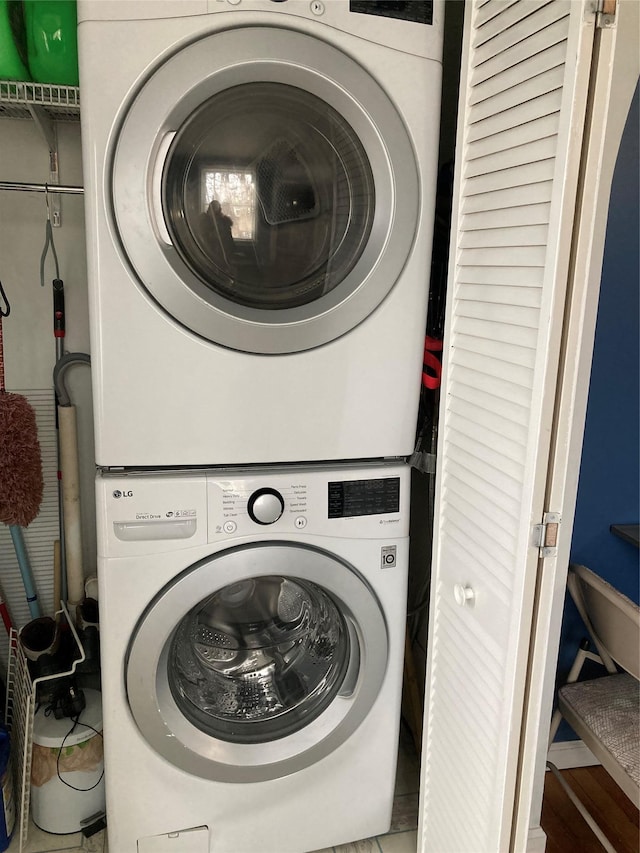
<point x="608" y="488"/>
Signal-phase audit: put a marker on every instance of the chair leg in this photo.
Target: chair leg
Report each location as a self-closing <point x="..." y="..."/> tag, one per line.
<point x="555" y="725"/>
<point x="602" y="838"/>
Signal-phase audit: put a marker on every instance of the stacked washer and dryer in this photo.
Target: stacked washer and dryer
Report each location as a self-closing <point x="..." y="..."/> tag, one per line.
<point x="260" y="191"/>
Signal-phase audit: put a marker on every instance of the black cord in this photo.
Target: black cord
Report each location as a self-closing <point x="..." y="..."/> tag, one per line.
<point x="76" y="722"/>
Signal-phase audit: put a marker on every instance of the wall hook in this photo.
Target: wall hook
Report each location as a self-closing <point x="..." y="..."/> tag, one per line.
<point x="6" y="309"/>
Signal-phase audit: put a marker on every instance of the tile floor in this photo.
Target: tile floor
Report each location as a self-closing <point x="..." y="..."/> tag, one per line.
<point x="402" y="837"/>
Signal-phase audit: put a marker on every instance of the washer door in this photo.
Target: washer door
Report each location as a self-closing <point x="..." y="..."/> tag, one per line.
<point x="257" y="662"/>
<point x="264" y="189"/>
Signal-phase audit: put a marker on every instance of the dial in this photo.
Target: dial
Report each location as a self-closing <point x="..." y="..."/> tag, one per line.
<point x="265" y="506"/>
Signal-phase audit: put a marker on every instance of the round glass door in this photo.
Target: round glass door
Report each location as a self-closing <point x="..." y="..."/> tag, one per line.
<point x="256" y="662"/>
<point x="268" y="196"/>
<point x="263" y="189"/>
<point x="259" y="659"/>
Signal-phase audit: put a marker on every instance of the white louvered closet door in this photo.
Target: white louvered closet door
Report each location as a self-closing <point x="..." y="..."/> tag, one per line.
<point x="524" y="81"/>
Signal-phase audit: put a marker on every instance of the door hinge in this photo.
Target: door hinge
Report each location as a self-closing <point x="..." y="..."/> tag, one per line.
<point x="606" y="13"/>
<point x="545" y="535"/>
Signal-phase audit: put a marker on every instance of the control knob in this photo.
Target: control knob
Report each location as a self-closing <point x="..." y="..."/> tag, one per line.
<point x="265" y="506"/>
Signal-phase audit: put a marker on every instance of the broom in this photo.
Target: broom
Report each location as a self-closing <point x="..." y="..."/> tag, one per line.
<point x="20" y="468"/>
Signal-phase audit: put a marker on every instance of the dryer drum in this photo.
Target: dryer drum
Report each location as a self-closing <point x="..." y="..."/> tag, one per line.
<point x="259" y="659"/>
<point x="268" y="195"/>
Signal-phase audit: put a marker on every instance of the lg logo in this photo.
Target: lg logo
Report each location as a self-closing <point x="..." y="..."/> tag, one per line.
<point x="119" y="494"/>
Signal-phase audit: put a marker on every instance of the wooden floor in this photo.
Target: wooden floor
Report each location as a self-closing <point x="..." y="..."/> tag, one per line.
<point x="564" y="826"/>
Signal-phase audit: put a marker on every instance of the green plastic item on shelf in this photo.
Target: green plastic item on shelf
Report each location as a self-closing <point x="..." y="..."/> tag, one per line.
<point x="13" y="53"/>
<point x="52" y="41"/>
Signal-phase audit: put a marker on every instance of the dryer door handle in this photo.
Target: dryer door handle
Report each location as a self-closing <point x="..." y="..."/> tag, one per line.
<point x="156" y="188"/>
<point x="353" y="667"/>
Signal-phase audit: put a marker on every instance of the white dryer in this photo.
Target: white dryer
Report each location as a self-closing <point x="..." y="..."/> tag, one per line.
<point x="252" y="647"/>
<point x="260" y="188"/>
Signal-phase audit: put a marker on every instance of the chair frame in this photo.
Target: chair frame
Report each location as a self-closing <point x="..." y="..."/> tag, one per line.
<point x="608" y="654"/>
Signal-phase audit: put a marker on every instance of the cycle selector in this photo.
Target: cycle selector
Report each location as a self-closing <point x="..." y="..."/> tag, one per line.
<point x="265" y="506"/>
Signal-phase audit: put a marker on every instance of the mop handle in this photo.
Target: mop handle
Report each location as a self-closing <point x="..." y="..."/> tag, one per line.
<point x="25" y="571"/>
<point x="2" y="388"/>
<point x="4" y="312"/>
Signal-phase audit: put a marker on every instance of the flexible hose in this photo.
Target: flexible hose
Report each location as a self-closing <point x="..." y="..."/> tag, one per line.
<point x="59" y="372"/>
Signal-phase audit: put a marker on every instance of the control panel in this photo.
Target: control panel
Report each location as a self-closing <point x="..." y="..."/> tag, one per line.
<point x="246" y="504"/>
<point x="368" y="503"/>
<point x="412" y="26"/>
<point x="418" y="11"/>
<point x="150" y="512"/>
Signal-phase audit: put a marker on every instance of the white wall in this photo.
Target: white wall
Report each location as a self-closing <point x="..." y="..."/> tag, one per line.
<point x="28" y="331"/>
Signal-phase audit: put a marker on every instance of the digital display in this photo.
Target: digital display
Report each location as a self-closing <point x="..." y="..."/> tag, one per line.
<point x="364" y="497"/>
<point x="417" y="11"/>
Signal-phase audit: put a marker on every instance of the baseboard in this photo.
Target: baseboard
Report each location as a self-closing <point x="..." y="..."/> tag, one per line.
<point x="571" y="753"/>
<point x="536" y="840"/>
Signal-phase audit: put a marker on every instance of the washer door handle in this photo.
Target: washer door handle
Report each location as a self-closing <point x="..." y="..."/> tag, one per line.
<point x="156" y="187"/>
<point x="353" y="667"/>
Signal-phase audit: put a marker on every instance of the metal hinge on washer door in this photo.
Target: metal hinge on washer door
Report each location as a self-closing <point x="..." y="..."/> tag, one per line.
<point x="606" y="13"/>
<point x="545" y="535"/>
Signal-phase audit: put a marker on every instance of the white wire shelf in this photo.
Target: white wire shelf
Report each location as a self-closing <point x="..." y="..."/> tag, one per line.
<point x="20" y="708"/>
<point x="59" y="103"/>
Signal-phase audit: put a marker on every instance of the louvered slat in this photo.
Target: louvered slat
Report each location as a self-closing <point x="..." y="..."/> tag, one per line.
<point x="537" y="43"/>
<point x="517" y="176"/>
<point x="486" y="486"/>
<point x="530" y="214"/>
<point x="518" y="155"/>
<point x="489" y="9"/>
<point x="525" y="235"/>
<point x="527" y="111"/>
<point x="502" y="393"/>
<point x="510" y="410"/>
<point x="504" y="199"/>
<point x="506" y="20"/>
<point x="489" y="419"/>
<point x="507" y="487"/>
<point x="527" y="276"/>
<point x="541" y="84"/>
<point x="497" y="349"/>
<point x="512" y="315"/>
<point x="502" y="35"/>
<point x="517" y="137"/>
<point x="550" y="58"/>
<point x="537" y="31"/>
<point x="478" y="507"/>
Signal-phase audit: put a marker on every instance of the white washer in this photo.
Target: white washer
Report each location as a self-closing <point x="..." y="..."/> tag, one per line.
<point x="252" y="638"/>
<point x="260" y="189"/>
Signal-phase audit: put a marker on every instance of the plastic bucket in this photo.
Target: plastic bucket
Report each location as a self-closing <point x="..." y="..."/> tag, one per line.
<point x="67" y="768"/>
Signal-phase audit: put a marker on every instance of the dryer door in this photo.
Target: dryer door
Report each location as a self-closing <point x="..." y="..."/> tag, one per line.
<point x="264" y="190"/>
<point x="257" y="662"/>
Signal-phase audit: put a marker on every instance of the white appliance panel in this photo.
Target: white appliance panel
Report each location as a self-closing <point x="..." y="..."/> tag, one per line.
<point x="287" y="814"/>
<point x="164" y="395"/>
